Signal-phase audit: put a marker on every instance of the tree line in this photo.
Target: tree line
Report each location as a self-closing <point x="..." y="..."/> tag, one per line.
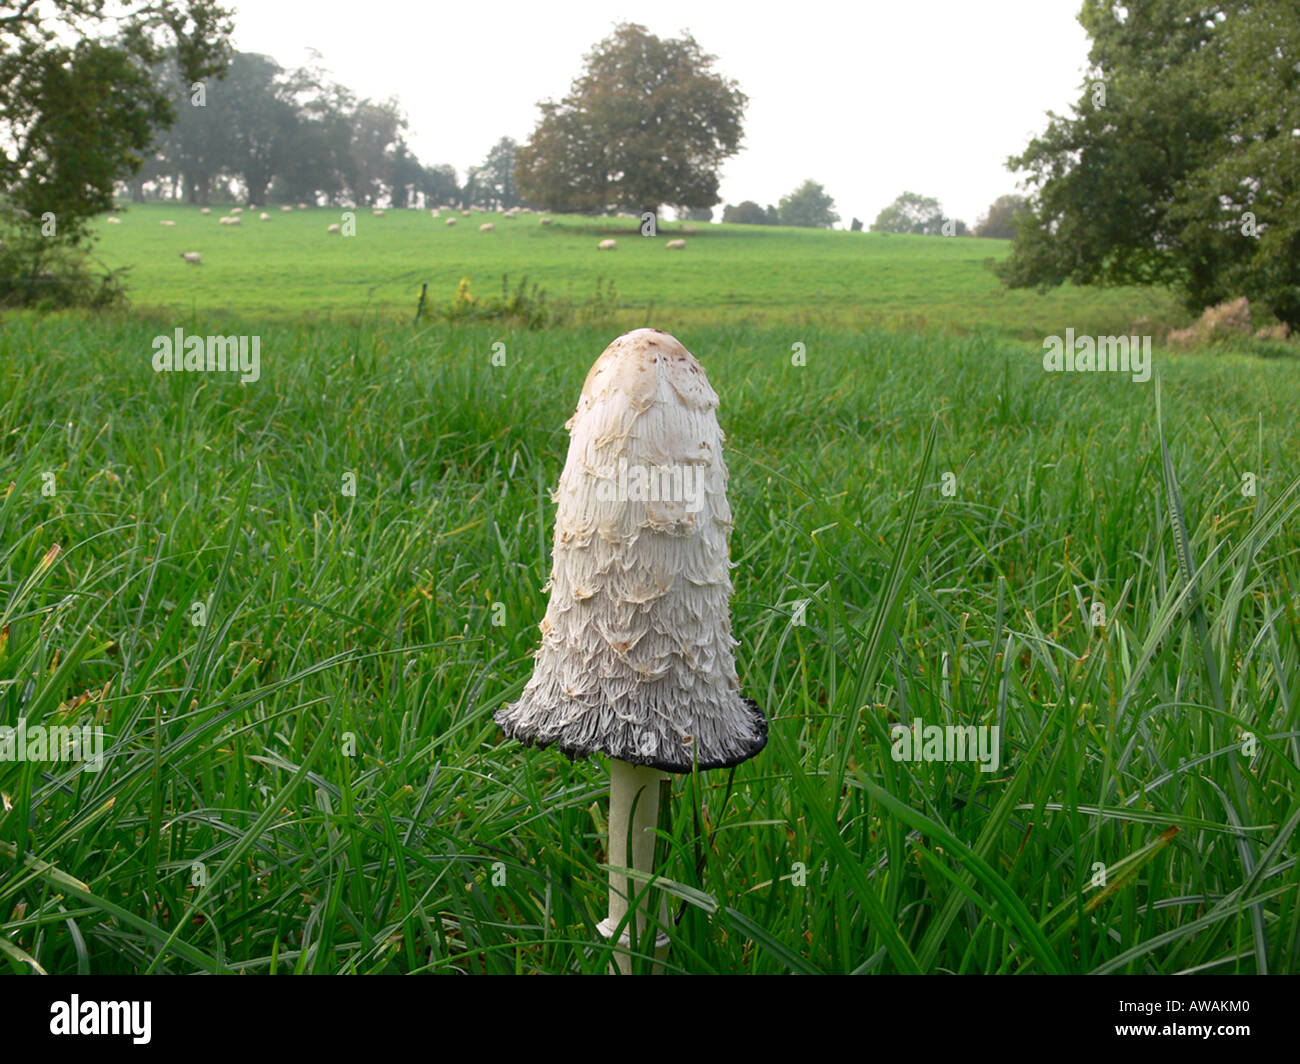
<point x="264" y="134"/>
<point x="811" y="207"/>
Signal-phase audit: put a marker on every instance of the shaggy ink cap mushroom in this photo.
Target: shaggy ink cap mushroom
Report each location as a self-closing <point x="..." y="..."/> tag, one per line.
<point x="636" y="659"/>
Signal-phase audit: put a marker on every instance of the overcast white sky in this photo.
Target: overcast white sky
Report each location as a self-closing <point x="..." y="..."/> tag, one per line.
<point x="869" y="97"/>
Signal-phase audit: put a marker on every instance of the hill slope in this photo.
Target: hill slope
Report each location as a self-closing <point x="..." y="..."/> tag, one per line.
<point x="291" y="267"/>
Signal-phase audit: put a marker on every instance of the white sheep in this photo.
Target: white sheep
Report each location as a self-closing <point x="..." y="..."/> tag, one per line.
<point x="607" y="245"/>
<point x="302" y="206"/>
<point x="333" y="228"/>
<point x="510" y="215"/>
<point x="451" y="220"/>
<point x="113" y="221"/>
<point x="378" y="212"/>
<point x="205" y="210"/>
<point x="264" y="217"/>
<point x="546" y="221"/>
<point x="229" y="220"/>
<point x="487" y="227"/>
<point x="689" y="230"/>
<point x="236" y="210"/>
<point x="165" y="222"/>
<point x="192" y="257"/>
<point x="434" y="213"/>
<point x="286" y="207"/>
<point x="675" y="245"/>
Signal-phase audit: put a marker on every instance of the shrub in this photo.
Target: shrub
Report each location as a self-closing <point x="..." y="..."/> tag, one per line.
<point x="36" y="271"/>
<point x="1228" y="326"/>
<point x="528" y="305"/>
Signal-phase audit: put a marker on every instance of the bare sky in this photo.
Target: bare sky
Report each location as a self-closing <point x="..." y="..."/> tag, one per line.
<point x="869" y="97"/>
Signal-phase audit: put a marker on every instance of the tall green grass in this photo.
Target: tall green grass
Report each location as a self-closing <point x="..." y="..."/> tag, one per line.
<point x="311" y="781"/>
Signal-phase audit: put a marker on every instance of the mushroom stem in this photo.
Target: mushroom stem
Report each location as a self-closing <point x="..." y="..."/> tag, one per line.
<point x="633" y="816"/>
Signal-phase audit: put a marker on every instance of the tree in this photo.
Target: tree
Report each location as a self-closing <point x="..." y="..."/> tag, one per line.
<point x="438" y="183"/>
<point x="475" y="193"/>
<point x="999" y="221"/>
<point x="1178" y="164"/>
<point x="746" y="213"/>
<point x="257" y="110"/>
<point x="856" y="225"/>
<point x="376" y="132"/>
<point x="911" y="213"/>
<point x="695" y="214"/>
<point x="808" y="206"/>
<point x="76" y="117"/>
<point x="406" y="175"/>
<point x="647" y="123"/>
<point x="318" y="152"/>
<point x="197" y="145"/>
<point x="79" y="111"/>
<point x="497" y="174"/>
<point x="157" y="163"/>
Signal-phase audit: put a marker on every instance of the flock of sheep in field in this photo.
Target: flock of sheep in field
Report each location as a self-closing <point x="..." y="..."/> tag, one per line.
<point x="235" y="217"/>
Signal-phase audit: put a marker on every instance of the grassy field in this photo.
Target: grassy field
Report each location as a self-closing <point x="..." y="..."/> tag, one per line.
<point x="311" y="780"/>
<point x="290" y="268"/>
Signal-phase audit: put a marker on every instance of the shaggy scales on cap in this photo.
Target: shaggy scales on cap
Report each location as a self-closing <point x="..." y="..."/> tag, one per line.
<point x="636" y="658"/>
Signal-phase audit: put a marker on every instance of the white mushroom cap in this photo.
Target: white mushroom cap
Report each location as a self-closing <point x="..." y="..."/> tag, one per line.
<point x="636" y="659"/>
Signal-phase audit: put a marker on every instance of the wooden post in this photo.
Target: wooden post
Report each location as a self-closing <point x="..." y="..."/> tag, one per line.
<point x="420" y="306"/>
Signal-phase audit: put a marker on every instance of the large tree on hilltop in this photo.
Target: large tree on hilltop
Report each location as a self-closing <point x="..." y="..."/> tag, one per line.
<point x="808" y="206"/>
<point x="648" y="123"/>
<point x="911" y="213"/>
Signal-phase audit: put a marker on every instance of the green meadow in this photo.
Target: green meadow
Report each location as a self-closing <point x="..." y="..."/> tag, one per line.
<point x="291" y="268"/>
<point x="292" y="606"/>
